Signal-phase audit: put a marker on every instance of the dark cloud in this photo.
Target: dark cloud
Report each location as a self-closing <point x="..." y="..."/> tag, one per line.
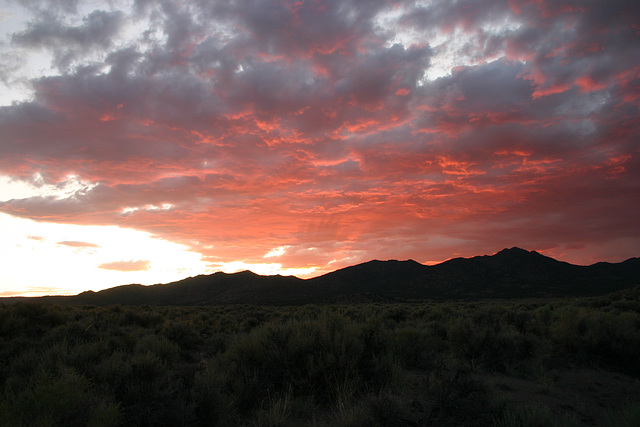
<point x="68" y="43"/>
<point x="306" y="29"/>
<point x="97" y="30"/>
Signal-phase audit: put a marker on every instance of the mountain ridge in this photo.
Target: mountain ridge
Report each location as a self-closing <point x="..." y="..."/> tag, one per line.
<point x="509" y="273"/>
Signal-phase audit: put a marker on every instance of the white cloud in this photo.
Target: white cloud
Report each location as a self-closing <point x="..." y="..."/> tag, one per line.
<point x="72" y="185"/>
<point x="275" y="252"/>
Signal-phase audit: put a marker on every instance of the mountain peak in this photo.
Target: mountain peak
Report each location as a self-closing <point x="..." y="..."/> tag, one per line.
<point x="517" y="253"/>
<point x="515" y="250"/>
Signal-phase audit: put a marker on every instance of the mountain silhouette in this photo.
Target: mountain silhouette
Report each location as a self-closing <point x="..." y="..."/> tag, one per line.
<point x="510" y="273"/>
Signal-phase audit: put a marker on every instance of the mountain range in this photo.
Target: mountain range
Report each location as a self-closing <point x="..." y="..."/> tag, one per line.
<point x="510" y="273"/>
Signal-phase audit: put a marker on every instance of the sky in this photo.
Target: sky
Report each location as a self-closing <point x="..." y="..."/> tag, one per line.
<point x="147" y="141"/>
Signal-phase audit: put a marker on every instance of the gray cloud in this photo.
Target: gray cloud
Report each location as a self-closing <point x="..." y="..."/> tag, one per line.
<point x="310" y="125"/>
<point x="68" y="43"/>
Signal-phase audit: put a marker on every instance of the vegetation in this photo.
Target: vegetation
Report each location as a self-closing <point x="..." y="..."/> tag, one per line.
<point x="431" y="363"/>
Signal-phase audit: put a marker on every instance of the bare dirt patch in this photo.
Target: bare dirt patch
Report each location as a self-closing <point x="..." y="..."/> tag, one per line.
<point x="585" y="393"/>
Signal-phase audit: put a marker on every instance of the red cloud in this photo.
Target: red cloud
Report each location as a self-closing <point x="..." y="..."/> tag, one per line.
<point x="140" y="265"/>
<point x="75" y="244"/>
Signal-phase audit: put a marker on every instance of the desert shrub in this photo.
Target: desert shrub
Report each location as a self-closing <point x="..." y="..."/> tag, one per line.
<point x="147" y="370"/>
<point x="385" y="410"/>
<point x="226" y="323"/>
<point x="628" y="416"/>
<point x="142" y="316"/>
<point x="327" y="358"/>
<point x="415" y="348"/>
<point x="596" y="337"/>
<point x="114" y="369"/>
<point x="533" y="415"/>
<point x="614" y="340"/>
<point x="22" y="368"/>
<point x="76" y="331"/>
<point x="489" y="344"/>
<point x="333" y="365"/>
<point x="65" y="398"/>
<point x="31" y="319"/>
<point x="11" y="351"/>
<point x="510" y="351"/>
<point x="153" y="394"/>
<point x="522" y="319"/>
<point x="253" y="319"/>
<point x="373" y="410"/>
<point x="627" y="305"/>
<point x="158" y="346"/>
<point x="83" y="357"/>
<point x="395" y="313"/>
<point x="539" y="321"/>
<point x="211" y="406"/>
<point x="275" y="410"/>
<point x="468" y="340"/>
<point x="10" y="323"/>
<point x="457" y="397"/>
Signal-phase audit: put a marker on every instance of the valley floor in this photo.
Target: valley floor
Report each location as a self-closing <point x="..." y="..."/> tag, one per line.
<point x="554" y="362"/>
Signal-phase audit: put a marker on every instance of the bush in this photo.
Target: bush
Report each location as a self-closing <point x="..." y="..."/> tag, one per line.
<point x="533" y="415"/>
<point x="328" y="359"/>
<point x="182" y="333"/>
<point x="66" y="398"/>
<point x="211" y="406"/>
<point x="414" y="348"/>
<point x="629" y="416"/>
<point x="457" y="396"/>
<point x="322" y="365"/>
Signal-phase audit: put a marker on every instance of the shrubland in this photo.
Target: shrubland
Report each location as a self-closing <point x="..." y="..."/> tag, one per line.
<point x="499" y="363"/>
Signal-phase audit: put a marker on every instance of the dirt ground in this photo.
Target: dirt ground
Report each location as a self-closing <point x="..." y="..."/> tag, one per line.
<point x="586" y="393"/>
<point x="474" y="398"/>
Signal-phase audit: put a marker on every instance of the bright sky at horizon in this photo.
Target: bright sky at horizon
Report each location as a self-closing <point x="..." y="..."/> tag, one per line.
<point x="147" y="141"/>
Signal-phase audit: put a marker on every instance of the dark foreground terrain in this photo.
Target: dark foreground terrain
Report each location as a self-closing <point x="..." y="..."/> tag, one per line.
<point x="537" y="362"/>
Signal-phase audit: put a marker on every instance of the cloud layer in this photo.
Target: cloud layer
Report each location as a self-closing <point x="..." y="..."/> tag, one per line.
<point x="324" y="133"/>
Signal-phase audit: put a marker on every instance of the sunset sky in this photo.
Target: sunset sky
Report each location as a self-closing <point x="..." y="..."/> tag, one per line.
<point x="148" y="141"/>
